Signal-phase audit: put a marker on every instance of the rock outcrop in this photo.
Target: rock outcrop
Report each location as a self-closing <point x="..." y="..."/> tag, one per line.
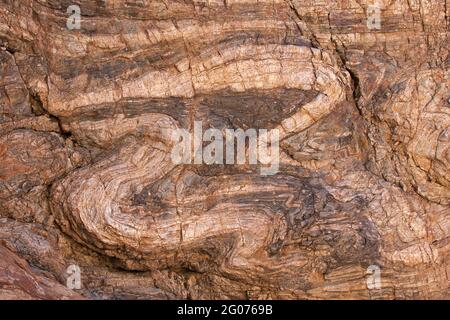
<point x="87" y="175"/>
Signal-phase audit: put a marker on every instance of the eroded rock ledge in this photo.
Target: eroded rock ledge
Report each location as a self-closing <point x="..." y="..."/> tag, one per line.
<point x="86" y="175"/>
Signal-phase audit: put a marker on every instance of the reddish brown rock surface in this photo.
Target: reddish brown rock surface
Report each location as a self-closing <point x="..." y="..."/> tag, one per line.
<point x="19" y="281"/>
<point x="87" y="179"/>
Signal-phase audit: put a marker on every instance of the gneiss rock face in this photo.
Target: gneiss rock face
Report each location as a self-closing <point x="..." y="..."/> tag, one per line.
<point x="358" y="206"/>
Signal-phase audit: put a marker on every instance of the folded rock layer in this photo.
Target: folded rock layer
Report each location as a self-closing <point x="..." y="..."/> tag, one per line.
<point x="87" y="176"/>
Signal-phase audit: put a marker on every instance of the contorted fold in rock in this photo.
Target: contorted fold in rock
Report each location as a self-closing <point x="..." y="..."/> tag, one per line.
<point x="239" y="69"/>
<point x="95" y="203"/>
<point x="86" y="124"/>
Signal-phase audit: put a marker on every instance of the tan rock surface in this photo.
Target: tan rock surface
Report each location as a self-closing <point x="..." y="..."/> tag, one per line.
<point x="87" y="179"/>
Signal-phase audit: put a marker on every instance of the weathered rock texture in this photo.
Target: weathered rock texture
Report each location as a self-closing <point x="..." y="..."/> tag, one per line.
<point x="86" y="176"/>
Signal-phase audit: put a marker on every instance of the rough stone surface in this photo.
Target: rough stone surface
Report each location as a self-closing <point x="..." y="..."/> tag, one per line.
<point x="86" y="176"/>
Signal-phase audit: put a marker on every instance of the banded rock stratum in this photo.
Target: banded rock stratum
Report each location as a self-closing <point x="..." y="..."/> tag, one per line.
<point x="86" y="176"/>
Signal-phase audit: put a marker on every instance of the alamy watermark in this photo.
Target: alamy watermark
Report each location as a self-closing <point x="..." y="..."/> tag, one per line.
<point x="74" y="20"/>
<point x="227" y="147"/>
<point x="373" y="280"/>
<point x="374" y="16"/>
<point x="74" y="277"/>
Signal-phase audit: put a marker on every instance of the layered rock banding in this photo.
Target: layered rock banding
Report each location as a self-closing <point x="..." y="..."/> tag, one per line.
<point x="363" y="180"/>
